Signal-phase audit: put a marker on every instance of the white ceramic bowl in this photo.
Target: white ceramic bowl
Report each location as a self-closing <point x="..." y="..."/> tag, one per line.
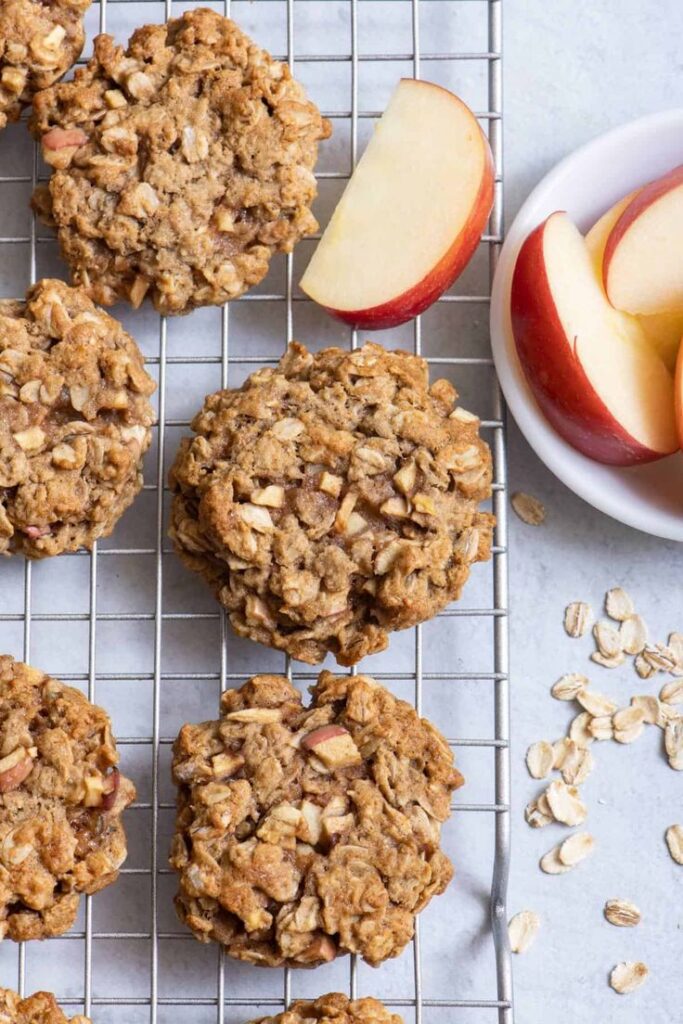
<point x="585" y="184"/>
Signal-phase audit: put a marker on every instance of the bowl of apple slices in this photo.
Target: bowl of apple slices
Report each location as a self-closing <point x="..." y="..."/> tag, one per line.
<point x="587" y="320"/>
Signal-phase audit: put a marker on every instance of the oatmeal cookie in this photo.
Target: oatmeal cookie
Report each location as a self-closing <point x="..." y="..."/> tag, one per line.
<point x="74" y="421"/>
<point x="41" y="1008"/>
<point x="61" y="799"/>
<point x="181" y="165"/>
<point x="306" y="832"/>
<point x="334" y="1008"/>
<point x="38" y="43"/>
<point x="333" y="499"/>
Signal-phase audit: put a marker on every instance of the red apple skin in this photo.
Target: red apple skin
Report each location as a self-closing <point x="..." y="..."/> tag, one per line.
<point x="640" y="202"/>
<point x="559" y="382"/>
<point x="678" y="393"/>
<point x="411" y="303"/>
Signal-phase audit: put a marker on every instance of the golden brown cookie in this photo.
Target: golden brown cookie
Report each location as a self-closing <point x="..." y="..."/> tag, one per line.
<point x="181" y="165"/>
<point x="40" y="1008"/>
<point x="61" y="800"/>
<point x="38" y="43"/>
<point x="333" y="499"/>
<point x="75" y="421"/>
<point x="334" y="1008"/>
<point x="307" y="832"/>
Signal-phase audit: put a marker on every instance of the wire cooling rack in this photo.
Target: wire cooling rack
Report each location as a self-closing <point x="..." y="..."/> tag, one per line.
<point x="138" y="634"/>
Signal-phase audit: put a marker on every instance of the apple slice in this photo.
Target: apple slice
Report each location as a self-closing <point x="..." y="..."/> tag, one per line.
<point x="598" y="381"/>
<point x="411" y="215"/>
<point x="596" y="239"/>
<point x="643" y="262"/>
<point x="678" y="389"/>
<point x="662" y="330"/>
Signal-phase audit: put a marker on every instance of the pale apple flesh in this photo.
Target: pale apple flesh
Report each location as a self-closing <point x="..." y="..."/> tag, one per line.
<point x="678" y="389"/>
<point x="643" y="259"/>
<point x="662" y="330"/>
<point x="411" y="215"/>
<point x="597" y="380"/>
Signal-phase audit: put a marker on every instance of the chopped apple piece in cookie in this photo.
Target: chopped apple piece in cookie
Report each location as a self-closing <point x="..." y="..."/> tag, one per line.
<point x="333" y="745"/>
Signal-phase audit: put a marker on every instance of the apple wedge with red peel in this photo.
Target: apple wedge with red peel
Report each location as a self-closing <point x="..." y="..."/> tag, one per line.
<point x="662" y="330"/>
<point x="642" y="265"/>
<point x="594" y="375"/>
<point x="596" y="239"/>
<point x="411" y="215"/>
<point x="678" y="394"/>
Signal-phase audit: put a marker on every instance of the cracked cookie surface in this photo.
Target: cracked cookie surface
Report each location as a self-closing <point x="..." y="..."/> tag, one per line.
<point x="38" y="43"/>
<point x="303" y="833"/>
<point x="333" y="499"/>
<point x="75" y="421"/>
<point x="61" y="800"/>
<point x="334" y="1008"/>
<point x="40" y="1008"/>
<point x="181" y="165"/>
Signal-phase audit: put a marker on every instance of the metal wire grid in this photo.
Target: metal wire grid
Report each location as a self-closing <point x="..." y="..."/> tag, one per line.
<point x="501" y="1006"/>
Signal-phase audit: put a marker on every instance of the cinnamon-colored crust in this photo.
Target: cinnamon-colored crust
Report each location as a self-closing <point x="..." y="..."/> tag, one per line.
<point x="333" y="499"/>
<point x="307" y="832"/>
<point x="181" y="164"/>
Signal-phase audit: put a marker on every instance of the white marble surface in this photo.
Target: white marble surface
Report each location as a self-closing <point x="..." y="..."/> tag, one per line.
<point x="573" y="70"/>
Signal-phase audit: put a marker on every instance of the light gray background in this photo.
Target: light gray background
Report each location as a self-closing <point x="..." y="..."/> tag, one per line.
<point x="573" y="70"/>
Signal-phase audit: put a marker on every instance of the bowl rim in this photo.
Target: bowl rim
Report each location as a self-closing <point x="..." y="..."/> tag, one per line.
<point x="561" y="458"/>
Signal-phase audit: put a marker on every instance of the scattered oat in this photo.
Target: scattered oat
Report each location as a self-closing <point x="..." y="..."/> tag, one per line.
<point x="539" y="759"/>
<point x="660" y="657"/>
<point x="626" y="718"/>
<point x="569" y="686"/>
<point x="674" y="840"/>
<point x="644" y="669"/>
<point x="577" y="766"/>
<point x="613" y="662"/>
<point x="618" y="604"/>
<point x="668" y="713"/>
<point x="622" y="913"/>
<point x="628" y="724"/>
<point x="596" y="704"/>
<point x="565" y="803"/>
<point x="551" y="863"/>
<point x="673" y="742"/>
<point x="543" y="805"/>
<point x="577" y="618"/>
<point x="649" y="706"/>
<point x="522" y="930"/>
<point x="607" y="638"/>
<point x="528" y="508"/>
<point x="675" y="645"/>
<point x="578" y="730"/>
<point x="562" y="749"/>
<point x="601" y="727"/>
<point x="626" y="977"/>
<point x="633" y="634"/>
<point x="535" y="817"/>
<point x="672" y="693"/>
<point x="576" y="848"/>
<point x="629" y="735"/>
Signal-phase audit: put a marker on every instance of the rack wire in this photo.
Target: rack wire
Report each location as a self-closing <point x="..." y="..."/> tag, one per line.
<point x="82" y="974"/>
